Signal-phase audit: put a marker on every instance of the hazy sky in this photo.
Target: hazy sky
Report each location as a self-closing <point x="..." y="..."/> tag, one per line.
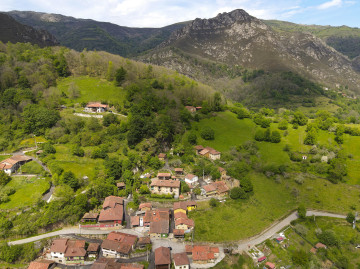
<point x="155" y="13"/>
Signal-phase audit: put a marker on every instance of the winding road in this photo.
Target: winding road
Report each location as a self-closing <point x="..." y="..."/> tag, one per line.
<point x="278" y="226"/>
<point x="242" y="245"/>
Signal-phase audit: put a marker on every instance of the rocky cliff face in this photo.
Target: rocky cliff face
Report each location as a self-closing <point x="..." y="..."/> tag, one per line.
<point x="236" y="38"/>
<point x="13" y="31"/>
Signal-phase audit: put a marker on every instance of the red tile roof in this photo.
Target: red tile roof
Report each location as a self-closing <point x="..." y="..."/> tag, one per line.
<point x="40" y="264"/>
<point x="163" y="175"/>
<point x="76" y="243"/>
<point x="270" y="265"/>
<point x="132" y="266"/>
<point x="180" y="205"/>
<point x="261" y="259"/>
<point x="135" y="220"/>
<point x="122" y="237"/>
<point x="111" y="201"/>
<point x="320" y="245"/>
<point x="112" y="214"/>
<point x="179" y="169"/>
<point x="96" y="105"/>
<point x="184" y="221"/>
<point x="117" y="246"/>
<point x="162" y="256"/>
<point x="198" y="147"/>
<point x="159" y="227"/>
<point x="90" y="216"/>
<point x="145" y="205"/>
<point x="75" y="252"/>
<point x="202" y="253"/>
<point x="190" y="176"/>
<point x="209" y="188"/>
<point x="166" y="183"/>
<point x="188" y="248"/>
<point x="93" y="247"/>
<point x="59" y="245"/>
<point x="144" y="240"/>
<point x="179" y="215"/>
<point x="181" y="259"/>
<point x="178" y="232"/>
<point x="221" y="187"/>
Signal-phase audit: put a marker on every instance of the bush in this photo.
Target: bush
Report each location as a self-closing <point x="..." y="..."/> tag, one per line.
<point x="283" y="125"/>
<point x="192" y="138"/>
<point x="207" y="133"/>
<point x="300" y="257"/>
<point x="78" y="151"/>
<point x="350" y="217"/>
<point x="4" y="178"/>
<point x="301" y="212"/>
<point x="275" y="137"/>
<point x="99" y="153"/>
<point x="213" y="202"/>
<point x="162" y="196"/>
<point x="328" y="238"/>
<point x="237" y="193"/>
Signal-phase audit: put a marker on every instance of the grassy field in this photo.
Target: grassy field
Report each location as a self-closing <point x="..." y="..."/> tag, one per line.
<point x="91" y="89"/>
<point x="270" y="202"/>
<point x="347" y="236"/>
<point x="32" y="168"/>
<point x="28" y="191"/>
<point x="244" y="219"/>
<point x="80" y="166"/>
<point x="353" y="164"/>
<point x="30" y="142"/>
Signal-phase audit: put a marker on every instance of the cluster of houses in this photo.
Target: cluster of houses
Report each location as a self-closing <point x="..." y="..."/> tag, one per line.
<point x="116" y="245"/>
<point x="68" y="251"/>
<point x="157" y="221"/>
<point x="111" y="214"/>
<point x="12" y="164"/>
<point x="199" y="254"/>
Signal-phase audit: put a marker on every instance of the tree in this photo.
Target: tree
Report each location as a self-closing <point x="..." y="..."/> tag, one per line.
<point x="144" y="189"/>
<point x="37" y="118"/>
<point x="275" y="137"/>
<point x="217" y="102"/>
<point x="300" y="257"/>
<point x="283" y="125"/>
<point x="207" y="133"/>
<point x="48" y="148"/>
<point x="78" y="151"/>
<point x="311" y="136"/>
<point x="301" y="212"/>
<point x="113" y="168"/>
<point x="246" y="184"/>
<point x="184" y="187"/>
<point x="4" y="178"/>
<point x="110" y="71"/>
<point x="110" y="119"/>
<point x="299" y="118"/>
<point x="260" y="135"/>
<point x="328" y="238"/>
<point x="350" y="217"/>
<point x="192" y="138"/>
<point x="120" y="76"/>
<point x="237" y="193"/>
<point x="213" y="202"/>
<point x="69" y="179"/>
<point x="197" y="191"/>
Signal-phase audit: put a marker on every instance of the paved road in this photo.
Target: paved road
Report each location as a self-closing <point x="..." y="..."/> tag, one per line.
<point x="73" y="230"/>
<point x="278" y="226"/>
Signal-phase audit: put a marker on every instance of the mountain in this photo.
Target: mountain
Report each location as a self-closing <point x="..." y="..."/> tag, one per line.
<point x="342" y="38"/>
<point x="219" y="49"/>
<point x="79" y="34"/>
<point x="13" y="31"/>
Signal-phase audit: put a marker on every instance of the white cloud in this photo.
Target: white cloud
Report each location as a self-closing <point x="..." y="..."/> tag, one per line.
<point x="330" y="4"/>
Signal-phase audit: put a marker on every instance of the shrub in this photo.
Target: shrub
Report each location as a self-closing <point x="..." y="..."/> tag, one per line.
<point x="192" y="138"/>
<point x="237" y="193"/>
<point x="301" y="212"/>
<point x="213" y="202"/>
<point x="283" y="125"/>
<point x="78" y="151"/>
<point x="207" y="133"/>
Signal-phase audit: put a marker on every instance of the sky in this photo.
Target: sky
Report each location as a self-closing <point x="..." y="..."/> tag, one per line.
<point x="158" y="13"/>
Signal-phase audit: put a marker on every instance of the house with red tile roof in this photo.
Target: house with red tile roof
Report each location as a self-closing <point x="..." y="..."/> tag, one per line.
<point x="179" y="233"/>
<point x="118" y="245"/>
<point x="162" y="156"/>
<point x="184" y="224"/>
<point x="191" y="179"/>
<point x="270" y="265"/>
<point x="145" y="207"/>
<point x="204" y="254"/>
<point x="210" y="153"/>
<point x="178" y="215"/>
<point x="191" y="109"/>
<point x="67" y="251"/>
<point x="93" y="217"/>
<point x="198" y="149"/>
<point x="113" y="211"/>
<point x="165" y="187"/>
<point x="162" y="258"/>
<point x="93" y="250"/>
<point x="216" y="188"/>
<point x="132" y="266"/>
<point x="164" y="176"/>
<point x="179" y="171"/>
<point x="181" y="261"/>
<point x="143" y="242"/>
<point x="12" y="164"/>
<point x="96" y="107"/>
<point x="41" y="264"/>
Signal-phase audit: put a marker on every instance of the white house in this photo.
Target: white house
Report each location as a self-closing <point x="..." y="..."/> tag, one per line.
<point x="58" y="249"/>
<point x="13" y="163"/>
<point x="191" y="179"/>
<point x="181" y="261"/>
<point x="96" y="107"/>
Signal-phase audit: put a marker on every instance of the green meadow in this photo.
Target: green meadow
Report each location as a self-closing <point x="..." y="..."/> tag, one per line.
<point x="90" y="89"/>
<point x="28" y="190"/>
